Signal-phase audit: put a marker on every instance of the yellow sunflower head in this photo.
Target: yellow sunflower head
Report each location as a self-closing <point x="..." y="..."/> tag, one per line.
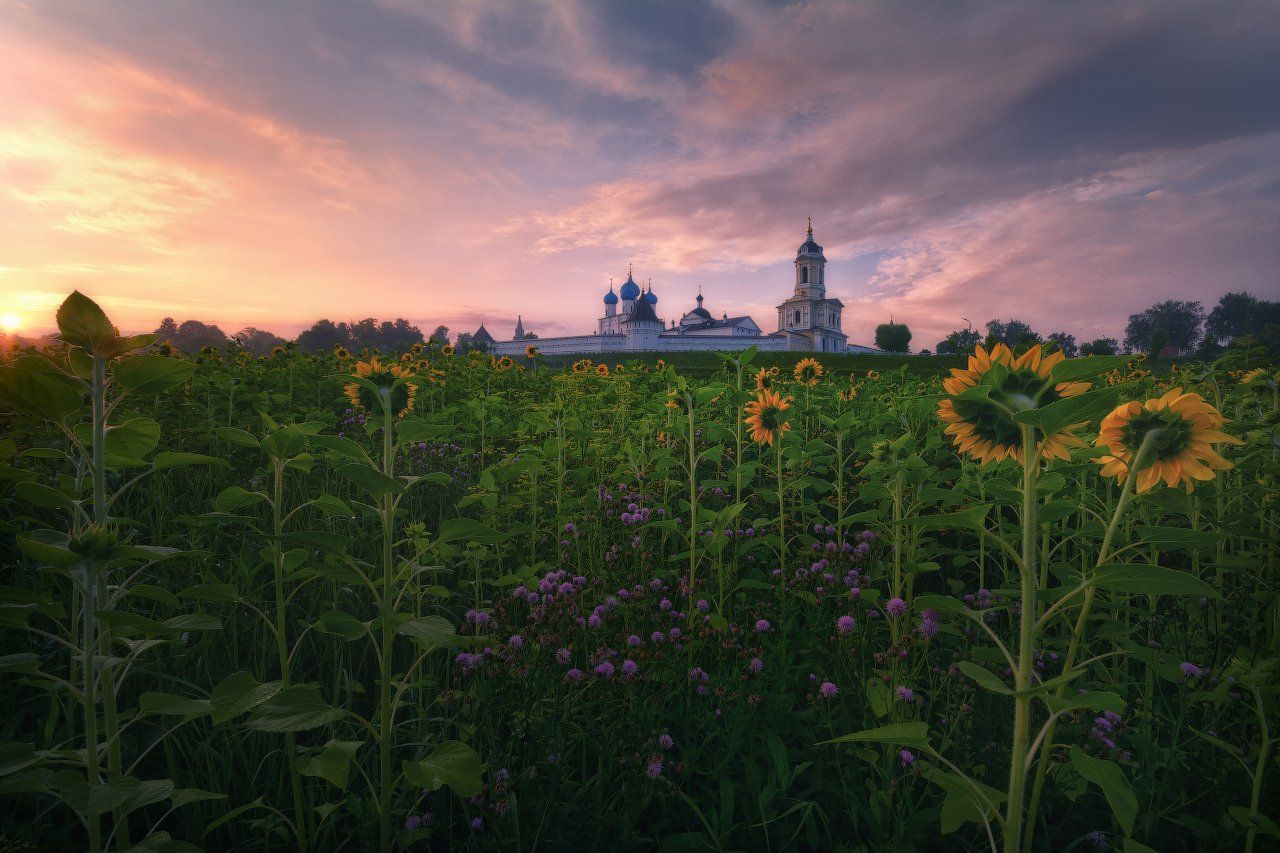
<point x="808" y="371"/>
<point x="396" y="395"/>
<point x="418" y="348"/>
<point x="872" y="376"/>
<point x="582" y="365"/>
<point x="602" y="369"/>
<point x="1179" y="431"/>
<point x="166" y="348"/>
<point x="764" y="379"/>
<point x="766" y="415"/>
<point x="278" y="351"/>
<point x="340" y="352"/>
<point x="447" y="349"/>
<point x="1258" y="379"/>
<point x="661" y="365"/>
<point x="984" y="427"/>
<point x="530" y="351"/>
<point x="505" y="363"/>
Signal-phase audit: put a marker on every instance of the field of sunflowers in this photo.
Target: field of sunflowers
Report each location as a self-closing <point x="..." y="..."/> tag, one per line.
<point x="429" y="600"/>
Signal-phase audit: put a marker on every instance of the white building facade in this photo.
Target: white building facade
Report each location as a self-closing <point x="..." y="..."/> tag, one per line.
<point x="808" y="321"/>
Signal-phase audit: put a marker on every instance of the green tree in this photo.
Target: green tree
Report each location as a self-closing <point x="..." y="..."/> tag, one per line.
<point x="1177" y="322"/>
<point x="1100" y="346"/>
<point x="893" y="337"/>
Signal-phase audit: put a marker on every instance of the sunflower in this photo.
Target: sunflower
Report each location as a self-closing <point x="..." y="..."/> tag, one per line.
<point x="582" y="365"/>
<point x="278" y="351"/>
<point x="765" y="378"/>
<point x="983" y="428"/>
<point x="166" y="348"/>
<point x="765" y="416"/>
<point x="447" y="349"/>
<point x="1256" y="378"/>
<point x="661" y="365"/>
<point x="808" y="371"/>
<point x="340" y="352"/>
<point x="530" y="351"/>
<point x="602" y="369"/>
<point x="872" y="376"/>
<point x="418" y="348"/>
<point x="1180" y="428"/>
<point x="385" y="377"/>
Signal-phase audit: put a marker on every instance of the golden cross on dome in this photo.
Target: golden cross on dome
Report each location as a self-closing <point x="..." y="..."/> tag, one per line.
<point x="810" y="226"/>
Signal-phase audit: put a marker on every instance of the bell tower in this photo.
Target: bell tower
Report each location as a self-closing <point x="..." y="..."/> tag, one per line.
<point x="811" y="268"/>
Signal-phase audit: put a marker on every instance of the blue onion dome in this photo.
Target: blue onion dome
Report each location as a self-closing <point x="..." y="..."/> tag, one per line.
<point x="651" y="297"/>
<point x="630" y="290"/>
<point x="611" y="298"/>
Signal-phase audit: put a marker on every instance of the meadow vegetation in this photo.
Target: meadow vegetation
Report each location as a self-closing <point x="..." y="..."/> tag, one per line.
<point x="435" y="600"/>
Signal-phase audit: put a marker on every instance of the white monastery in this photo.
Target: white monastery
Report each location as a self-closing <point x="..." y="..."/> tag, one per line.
<point x="808" y="320"/>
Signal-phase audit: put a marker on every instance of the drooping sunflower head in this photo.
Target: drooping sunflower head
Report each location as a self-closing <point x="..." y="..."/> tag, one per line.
<point x="766" y="415"/>
<point x="765" y="378"/>
<point x="391" y="386"/>
<point x="1178" y="430"/>
<point x="982" y="426"/>
<point x="808" y="371"/>
<point x="530" y="351"/>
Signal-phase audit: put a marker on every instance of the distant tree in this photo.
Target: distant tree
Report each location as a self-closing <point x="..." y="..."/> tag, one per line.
<point x="1243" y="314"/>
<point x="400" y="335"/>
<point x="1064" y="342"/>
<point x="1170" y="322"/>
<point x="1231" y="317"/>
<point x="925" y="352"/>
<point x="193" y="336"/>
<point x="323" y="336"/>
<point x="1100" y="346"/>
<point x="167" y="330"/>
<point x="440" y="336"/>
<point x="463" y="342"/>
<point x="530" y="336"/>
<point x="257" y="341"/>
<point x="1012" y="334"/>
<point x="893" y="337"/>
<point x="960" y="342"/>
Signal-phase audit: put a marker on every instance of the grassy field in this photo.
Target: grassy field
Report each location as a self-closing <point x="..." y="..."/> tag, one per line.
<point x="702" y="364"/>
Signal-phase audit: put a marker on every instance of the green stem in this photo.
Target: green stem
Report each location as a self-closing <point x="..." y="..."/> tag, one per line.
<point x="1077" y="637"/>
<point x="388" y="636"/>
<point x="1264" y="748"/>
<point x="282" y="653"/>
<point x="1022" y="701"/>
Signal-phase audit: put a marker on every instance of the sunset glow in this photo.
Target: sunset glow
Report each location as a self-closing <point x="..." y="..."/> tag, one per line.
<point x="458" y="163"/>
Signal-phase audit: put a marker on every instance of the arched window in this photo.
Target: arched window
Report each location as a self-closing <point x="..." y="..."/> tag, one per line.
<point x="797" y="318"/>
<point x="804" y="275"/>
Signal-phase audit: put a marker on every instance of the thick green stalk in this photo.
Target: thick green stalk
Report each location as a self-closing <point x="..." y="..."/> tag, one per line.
<point x="388" y="636"/>
<point x="1264" y="749"/>
<point x="782" y="513"/>
<point x="90" y="692"/>
<point x="282" y="652"/>
<point x="693" y="506"/>
<point x="1022" y="701"/>
<point x="1077" y="637"/>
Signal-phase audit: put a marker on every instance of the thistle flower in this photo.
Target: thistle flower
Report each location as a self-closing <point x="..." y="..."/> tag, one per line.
<point x="765" y="416"/>
<point x="756" y="666"/>
<point x="665" y="741"/>
<point x="1190" y="670"/>
<point x="1180" y="430"/>
<point x="762" y="626"/>
<point x="907" y="757"/>
<point x="984" y="428"/>
<point x="654" y="768"/>
<point x="895" y="607"/>
<point x="630" y="667"/>
<point x="828" y="690"/>
<point x="845" y="624"/>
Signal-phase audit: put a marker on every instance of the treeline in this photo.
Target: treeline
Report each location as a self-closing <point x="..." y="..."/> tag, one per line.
<point x="385" y="336"/>
<point x="1172" y="327"/>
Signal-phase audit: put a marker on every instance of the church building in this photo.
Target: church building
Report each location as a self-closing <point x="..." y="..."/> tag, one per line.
<point x="808" y="321"/>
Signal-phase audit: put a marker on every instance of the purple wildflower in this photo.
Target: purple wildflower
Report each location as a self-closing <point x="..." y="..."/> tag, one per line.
<point x="828" y="690"/>
<point x="630" y="668"/>
<point x="762" y="626"/>
<point x="665" y="741"/>
<point x="845" y="624"/>
<point x="654" y="770"/>
<point x="1190" y="670"/>
<point x="896" y="607"/>
<point x="908" y="758"/>
<point x="756" y="666"/>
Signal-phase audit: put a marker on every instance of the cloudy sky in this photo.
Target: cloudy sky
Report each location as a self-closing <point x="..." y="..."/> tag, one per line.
<point x="459" y="161"/>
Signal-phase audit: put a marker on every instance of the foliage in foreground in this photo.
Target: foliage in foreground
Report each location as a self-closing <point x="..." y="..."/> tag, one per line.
<point x="315" y="602"/>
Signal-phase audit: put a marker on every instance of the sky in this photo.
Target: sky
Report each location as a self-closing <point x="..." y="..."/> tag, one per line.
<point x="465" y="161"/>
